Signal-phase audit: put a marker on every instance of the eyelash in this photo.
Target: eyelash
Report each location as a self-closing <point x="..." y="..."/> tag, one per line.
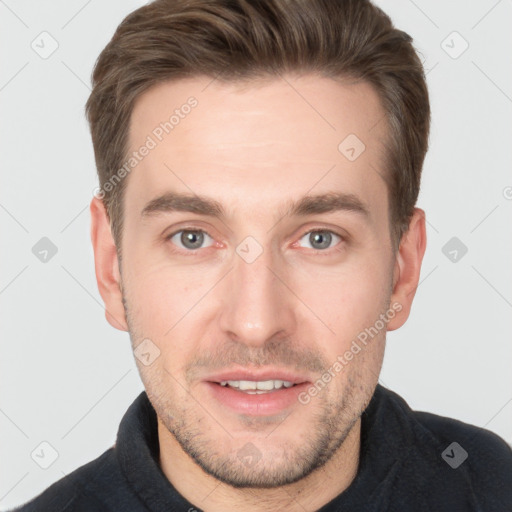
<point x="192" y="252"/>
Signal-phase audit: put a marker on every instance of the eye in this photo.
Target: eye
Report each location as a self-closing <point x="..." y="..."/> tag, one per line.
<point x="320" y="239"/>
<point x="190" y="239"/>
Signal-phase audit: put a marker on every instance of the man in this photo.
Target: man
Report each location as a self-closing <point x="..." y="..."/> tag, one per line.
<point x="256" y="233"/>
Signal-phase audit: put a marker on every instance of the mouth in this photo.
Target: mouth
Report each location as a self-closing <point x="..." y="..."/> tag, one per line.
<point x="260" y="387"/>
<point x="256" y="393"/>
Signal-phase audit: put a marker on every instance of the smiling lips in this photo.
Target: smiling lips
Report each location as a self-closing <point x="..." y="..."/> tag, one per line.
<point x="257" y="387"/>
<point x="269" y="379"/>
<point x="263" y="392"/>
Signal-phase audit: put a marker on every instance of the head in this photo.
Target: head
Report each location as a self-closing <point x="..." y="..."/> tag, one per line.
<point x="259" y="165"/>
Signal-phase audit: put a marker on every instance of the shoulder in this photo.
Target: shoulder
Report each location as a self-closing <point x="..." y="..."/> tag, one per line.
<point x="72" y="492"/>
<point x="469" y="461"/>
<point x="485" y="452"/>
<point x="482" y="443"/>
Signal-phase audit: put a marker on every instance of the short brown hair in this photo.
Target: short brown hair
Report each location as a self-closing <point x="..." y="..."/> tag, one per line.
<point x="236" y="40"/>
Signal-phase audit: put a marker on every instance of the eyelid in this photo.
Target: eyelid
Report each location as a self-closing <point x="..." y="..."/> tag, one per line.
<point x="188" y="226"/>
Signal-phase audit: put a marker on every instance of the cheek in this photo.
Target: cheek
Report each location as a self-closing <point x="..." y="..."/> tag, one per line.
<point x="162" y="292"/>
<point x="165" y="305"/>
<point x="347" y="301"/>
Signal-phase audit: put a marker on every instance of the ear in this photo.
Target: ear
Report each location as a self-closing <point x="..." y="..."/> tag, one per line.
<point x="106" y="266"/>
<point x="407" y="268"/>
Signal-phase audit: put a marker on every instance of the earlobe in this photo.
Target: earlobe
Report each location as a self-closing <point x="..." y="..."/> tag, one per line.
<point x="408" y="267"/>
<point x="106" y="266"/>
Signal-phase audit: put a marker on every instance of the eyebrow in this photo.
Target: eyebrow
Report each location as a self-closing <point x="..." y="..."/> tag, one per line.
<point x="307" y="205"/>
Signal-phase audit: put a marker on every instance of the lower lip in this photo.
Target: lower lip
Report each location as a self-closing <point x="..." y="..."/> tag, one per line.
<point x="256" y="404"/>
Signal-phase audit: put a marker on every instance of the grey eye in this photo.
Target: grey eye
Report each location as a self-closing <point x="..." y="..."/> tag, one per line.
<point x="190" y="239"/>
<point x="320" y="240"/>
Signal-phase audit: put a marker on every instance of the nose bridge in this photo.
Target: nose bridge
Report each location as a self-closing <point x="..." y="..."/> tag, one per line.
<point x="257" y="305"/>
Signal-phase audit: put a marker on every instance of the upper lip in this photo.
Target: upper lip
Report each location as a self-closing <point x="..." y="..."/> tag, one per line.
<point x="258" y="375"/>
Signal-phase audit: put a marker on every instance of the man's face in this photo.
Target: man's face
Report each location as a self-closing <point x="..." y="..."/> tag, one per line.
<point x="261" y="293"/>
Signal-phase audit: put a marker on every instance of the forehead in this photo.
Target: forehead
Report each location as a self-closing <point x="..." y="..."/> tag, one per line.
<point x="272" y="140"/>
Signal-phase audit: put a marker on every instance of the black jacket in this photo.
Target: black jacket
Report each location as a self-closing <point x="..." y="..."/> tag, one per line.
<point x="408" y="462"/>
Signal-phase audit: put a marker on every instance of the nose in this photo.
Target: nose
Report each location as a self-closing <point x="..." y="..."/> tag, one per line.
<point x="257" y="304"/>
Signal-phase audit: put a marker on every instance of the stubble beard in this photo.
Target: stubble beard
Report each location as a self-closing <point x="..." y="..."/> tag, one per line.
<point x="280" y="463"/>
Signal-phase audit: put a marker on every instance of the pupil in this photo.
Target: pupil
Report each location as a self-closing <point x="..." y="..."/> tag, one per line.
<point x="318" y="237"/>
<point x="192" y="239"/>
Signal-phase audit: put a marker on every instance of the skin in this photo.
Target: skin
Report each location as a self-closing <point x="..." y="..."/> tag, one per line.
<point x="254" y="147"/>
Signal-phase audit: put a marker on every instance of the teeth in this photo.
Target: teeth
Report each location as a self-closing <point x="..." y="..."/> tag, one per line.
<point x="258" y="387"/>
<point x="267" y="385"/>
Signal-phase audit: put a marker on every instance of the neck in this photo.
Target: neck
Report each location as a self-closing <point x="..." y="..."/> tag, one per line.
<point x="308" y="494"/>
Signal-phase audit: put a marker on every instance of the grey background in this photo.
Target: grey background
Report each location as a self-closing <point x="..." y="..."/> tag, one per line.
<point x="67" y="377"/>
